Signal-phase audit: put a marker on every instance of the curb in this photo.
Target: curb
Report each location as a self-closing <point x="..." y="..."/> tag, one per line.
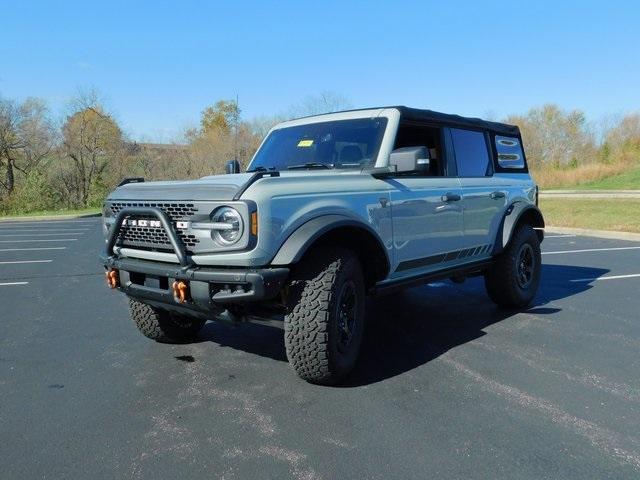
<point x="589" y="195"/>
<point x="587" y="190"/>
<point x="595" y="233"/>
<point x="49" y="217"/>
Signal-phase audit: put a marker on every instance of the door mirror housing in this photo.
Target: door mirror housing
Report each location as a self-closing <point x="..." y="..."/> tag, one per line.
<point x="232" y="166"/>
<point x="410" y="159"/>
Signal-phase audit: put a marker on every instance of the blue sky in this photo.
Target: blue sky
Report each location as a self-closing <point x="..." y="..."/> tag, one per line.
<point x="158" y="64"/>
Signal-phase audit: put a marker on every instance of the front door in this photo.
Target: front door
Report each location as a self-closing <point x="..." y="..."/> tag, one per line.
<point x="427" y="222"/>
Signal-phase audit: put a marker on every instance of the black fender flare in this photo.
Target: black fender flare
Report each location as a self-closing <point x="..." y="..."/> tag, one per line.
<point x="296" y="245"/>
<point x="515" y="212"/>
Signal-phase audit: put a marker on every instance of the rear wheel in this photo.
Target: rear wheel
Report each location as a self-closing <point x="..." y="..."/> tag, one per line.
<point x="513" y="279"/>
<point x="162" y="326"/>
<point x="325" y="315"/>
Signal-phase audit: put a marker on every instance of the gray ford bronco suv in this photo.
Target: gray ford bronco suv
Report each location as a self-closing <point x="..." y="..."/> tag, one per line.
<point x="332" y="208"/>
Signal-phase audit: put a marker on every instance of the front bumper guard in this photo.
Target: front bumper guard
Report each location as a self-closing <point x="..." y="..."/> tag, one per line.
<point x="210" y="289"/>
<point x="176" y="242"/>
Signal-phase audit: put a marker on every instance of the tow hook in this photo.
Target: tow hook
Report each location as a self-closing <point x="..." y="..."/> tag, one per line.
<point x="180" y="291"/>
<point x="113" y="279"/>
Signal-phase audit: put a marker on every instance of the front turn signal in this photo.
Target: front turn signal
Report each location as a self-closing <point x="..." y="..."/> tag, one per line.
<point x="254" y="224"/>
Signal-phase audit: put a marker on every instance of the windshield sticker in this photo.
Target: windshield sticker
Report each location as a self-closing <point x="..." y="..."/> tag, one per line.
<point x="305" y="143"/>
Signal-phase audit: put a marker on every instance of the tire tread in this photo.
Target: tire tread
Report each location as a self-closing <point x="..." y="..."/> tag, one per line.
<point x="307" y="323"/>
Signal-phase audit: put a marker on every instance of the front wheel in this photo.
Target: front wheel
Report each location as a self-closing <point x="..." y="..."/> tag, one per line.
<point x="162" y="326"/>
<point x="513" y="279"/>
<point x="325" y="315"/>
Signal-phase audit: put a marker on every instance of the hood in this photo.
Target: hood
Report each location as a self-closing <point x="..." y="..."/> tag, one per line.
<point x="225" y="187"/>
<point x="216" y="187"/>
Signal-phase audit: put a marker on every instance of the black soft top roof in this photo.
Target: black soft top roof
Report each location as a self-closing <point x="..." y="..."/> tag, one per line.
<point x="447" y="119"/>
<point x="423" y="115"/>
<point x="456" y="120"/>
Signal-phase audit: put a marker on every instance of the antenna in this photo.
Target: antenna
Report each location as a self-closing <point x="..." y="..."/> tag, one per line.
<point x="235" y="129"/>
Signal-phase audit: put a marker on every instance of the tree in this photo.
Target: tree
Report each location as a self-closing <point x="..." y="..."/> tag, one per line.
<point x="555" y="137"/>
<point x="223" y="115"/>
<point x="623" y="140"/>
<point x="10" y="141"/>
<point x="260" y="126"/>
<point x="91" y="140"/>
<point x="324" y="102"/>
<point x="222" y="136"/>
<point x="26" y="137"/>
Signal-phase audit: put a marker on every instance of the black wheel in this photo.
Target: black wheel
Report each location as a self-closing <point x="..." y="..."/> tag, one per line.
<point x="512" y="281"/>
<point x="325" y="315"/>
<point x="162" y="326"/>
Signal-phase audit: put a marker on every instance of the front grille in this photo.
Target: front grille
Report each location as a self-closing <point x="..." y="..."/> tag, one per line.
<point x="175" y="211"/>
<point x="155" y="238"/>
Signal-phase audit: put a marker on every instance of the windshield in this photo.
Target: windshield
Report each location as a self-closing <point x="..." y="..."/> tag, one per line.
<point x="339" y="144"/>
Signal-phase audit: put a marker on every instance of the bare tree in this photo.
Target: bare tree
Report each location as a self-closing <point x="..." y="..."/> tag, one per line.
<point x="324" y="102"/>
<point x="91" y="140"/>
<point x="555" y="137"/>
<point x="27" y="136"/>
<point x="626" y="134"/>
<point x="260" y="126"/>
<point x="223" y="136"/>
<point x="10" y="141"/>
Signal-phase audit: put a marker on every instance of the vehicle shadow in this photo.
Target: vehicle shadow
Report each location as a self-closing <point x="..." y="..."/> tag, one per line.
<point x="257" y="339"/>
<point x="409" y="329"/>
<point x="420" y="324"/>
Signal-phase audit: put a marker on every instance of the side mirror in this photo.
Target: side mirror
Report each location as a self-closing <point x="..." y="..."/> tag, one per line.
<point x="232" y="166"/>
<point x="410" y="159"/>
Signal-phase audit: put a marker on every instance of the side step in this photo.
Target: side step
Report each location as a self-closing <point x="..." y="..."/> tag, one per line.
<point x="469" y="270"/>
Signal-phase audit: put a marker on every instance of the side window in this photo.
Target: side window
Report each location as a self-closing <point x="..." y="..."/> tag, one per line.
<point x="472" y="155"/>
<point x="419" y="135"/>
<point x="510" y="153"/>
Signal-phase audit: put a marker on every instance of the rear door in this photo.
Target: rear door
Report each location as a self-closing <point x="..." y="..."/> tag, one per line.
<point x="484" y="200"/>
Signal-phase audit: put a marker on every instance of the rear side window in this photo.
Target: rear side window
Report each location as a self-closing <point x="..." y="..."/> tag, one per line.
<point x="510" y="153"/>
<point x="472" y="154"/>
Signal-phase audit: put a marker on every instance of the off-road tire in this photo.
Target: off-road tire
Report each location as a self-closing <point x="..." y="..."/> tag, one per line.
<point x="501" y="280"/>
<point x="162" y="326"/>
<point x="312" y="334"/>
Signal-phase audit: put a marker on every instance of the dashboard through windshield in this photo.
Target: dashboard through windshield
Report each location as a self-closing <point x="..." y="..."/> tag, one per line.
<point x="337" y="144"/>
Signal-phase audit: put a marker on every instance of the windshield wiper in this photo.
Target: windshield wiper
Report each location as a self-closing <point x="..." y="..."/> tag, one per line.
<point x="261" y="169"/>
<point x="308" y="165"/>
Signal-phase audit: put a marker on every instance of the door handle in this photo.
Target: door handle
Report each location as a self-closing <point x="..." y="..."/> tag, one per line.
<point x="450" y="197"/>
<point x="495" y="195"/>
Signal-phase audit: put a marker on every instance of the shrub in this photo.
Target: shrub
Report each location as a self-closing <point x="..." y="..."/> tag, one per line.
<point x="33" y="193"/>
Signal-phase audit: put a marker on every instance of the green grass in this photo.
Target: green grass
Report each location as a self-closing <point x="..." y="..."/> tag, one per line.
<point x="606" y="214"/>
<point x="629" y="180"/>
<point x="46" y="213"/>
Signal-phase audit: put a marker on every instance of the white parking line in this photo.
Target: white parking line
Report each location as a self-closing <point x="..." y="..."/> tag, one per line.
<point x="55" y="222"/>
<point x="39" y="240"/>
<point x="612" y="277"/>
<point x="30" y="249"/>
<point x="40" y="234"/>
<point x="559" y="236"/>
<point x="36" y="230"/>
<point x="591" y="250"/>
<point x="13" y="283"/>
<point x="26" y="261"/>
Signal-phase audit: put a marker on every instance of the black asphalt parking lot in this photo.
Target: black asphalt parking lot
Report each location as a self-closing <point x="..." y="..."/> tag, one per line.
<point x="448" y="386"/>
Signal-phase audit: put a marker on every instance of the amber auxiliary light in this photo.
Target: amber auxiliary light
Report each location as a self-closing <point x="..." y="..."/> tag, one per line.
<point x="113" y="279"/>
<point x="180" y="291"/>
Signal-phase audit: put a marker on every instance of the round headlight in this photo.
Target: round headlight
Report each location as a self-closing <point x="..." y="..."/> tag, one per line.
<point x="107" y="218"/>
<point x="227" y="226"/>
